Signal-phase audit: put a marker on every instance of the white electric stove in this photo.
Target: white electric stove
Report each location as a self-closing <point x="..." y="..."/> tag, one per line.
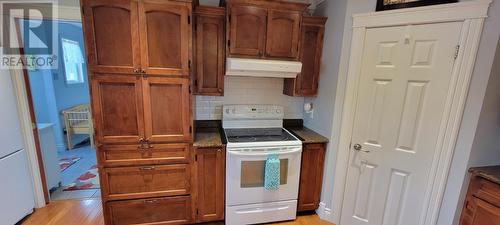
<point x="253" y="132"/>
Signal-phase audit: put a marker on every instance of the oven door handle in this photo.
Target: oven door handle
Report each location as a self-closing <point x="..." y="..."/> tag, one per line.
<point x="256" y="153"/>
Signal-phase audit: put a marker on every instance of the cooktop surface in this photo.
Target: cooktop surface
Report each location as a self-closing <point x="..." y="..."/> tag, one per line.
<point x="258" y="135"/>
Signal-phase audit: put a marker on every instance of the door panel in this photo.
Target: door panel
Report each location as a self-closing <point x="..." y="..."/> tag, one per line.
<point x="210" y="166"/>
<point x="117" y="108"/>
<point x="170" y="210"/>
<point x="167" y="109"/>
<point x="283" y="30"/>
<point x="248" y="31"/>
<point x="312" y="46"/>
<point x="210" y="55"/>
<point x="165" y="37"/>
<point x="112" y="40"/>
<point x="146" y="181"/>
<point x="405" y="78"/>
<point x="133" y="155"/>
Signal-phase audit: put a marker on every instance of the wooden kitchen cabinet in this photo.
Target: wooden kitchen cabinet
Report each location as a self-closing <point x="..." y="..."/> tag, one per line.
<point x="165" y="34"/>
<point x="482" y="204"/>
<point x="167" y="113"/>
<point x="168" y="210"/>
<point x="138" y="37"/>
<point x="264" y="29"/>
<point x="210" y="56"/>
<point x="311" y="176"/>
<point x="210" y="167"/>
<point x="283" y="31"/>
<point x="111" y="35"/>
<point x="117" y="107"/>
<point x="247" y="31"/>
<point x="311" y="48"/>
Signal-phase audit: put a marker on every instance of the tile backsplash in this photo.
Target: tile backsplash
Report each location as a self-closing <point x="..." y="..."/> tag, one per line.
<point x="248" y="90"/>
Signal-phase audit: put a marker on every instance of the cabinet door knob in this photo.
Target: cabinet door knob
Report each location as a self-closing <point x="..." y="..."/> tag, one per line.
<point x="147" y="168"/>
<point x="220" y="90"/>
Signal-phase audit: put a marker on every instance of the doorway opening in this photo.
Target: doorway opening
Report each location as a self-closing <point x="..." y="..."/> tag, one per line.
<point x="60" y="103"/>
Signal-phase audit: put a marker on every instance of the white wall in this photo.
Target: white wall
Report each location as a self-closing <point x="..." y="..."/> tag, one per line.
<point x="457" y="179"/>
<point x="336" y="51"/>
<point x="249" y="90"/>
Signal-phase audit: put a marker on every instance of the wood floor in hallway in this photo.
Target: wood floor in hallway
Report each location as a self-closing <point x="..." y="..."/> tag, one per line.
<point x="89" y="212"/>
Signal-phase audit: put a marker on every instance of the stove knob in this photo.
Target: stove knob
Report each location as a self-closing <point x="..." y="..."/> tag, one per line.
<point x="278" y="111"/>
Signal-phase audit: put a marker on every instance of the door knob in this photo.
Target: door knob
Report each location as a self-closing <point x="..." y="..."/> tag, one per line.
<point x="359" y="148"/>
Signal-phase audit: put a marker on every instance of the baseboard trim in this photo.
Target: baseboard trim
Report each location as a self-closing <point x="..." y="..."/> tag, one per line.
<point x="324" y="213"/>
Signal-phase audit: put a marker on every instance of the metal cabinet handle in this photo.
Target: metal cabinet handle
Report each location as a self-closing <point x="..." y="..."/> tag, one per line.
<point x="136" y="70"/>
<point x="359" y="148"/>
<point x="147" y="168"/>
<point x="150" y="201"/>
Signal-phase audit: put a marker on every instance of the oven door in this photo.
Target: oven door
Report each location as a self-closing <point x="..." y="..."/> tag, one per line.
<point x="245" y="175"/>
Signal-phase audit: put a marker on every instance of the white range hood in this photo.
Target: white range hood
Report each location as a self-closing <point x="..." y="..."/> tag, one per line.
<point x="262" y="68"/>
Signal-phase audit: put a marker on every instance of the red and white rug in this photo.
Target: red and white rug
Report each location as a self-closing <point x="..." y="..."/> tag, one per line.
<point x="65" y="163"/>
<point x="88" y="180"/>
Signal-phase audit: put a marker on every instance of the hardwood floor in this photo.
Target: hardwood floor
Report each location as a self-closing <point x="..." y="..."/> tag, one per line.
<point x="89" y="212"/>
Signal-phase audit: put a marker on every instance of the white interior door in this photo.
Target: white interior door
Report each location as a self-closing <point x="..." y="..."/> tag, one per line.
<point x="405" y="80"/>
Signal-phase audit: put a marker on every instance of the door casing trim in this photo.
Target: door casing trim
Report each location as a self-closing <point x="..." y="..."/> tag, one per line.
<point x="472" y="15"/>
<point x="64" y="13"/>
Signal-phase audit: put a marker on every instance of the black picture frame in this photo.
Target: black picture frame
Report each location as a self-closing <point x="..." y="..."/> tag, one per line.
<point x="382" y="7"/>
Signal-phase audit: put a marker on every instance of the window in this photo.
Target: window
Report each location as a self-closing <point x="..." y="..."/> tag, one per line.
<point x="73" y="62"/>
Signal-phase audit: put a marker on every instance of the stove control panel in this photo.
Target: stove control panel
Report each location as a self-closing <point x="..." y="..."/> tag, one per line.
<point x="255" y="112"/>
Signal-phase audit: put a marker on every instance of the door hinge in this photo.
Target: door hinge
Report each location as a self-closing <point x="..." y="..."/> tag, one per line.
<point x="190" y="129"/>
<point x="189" y="19"/>
<point x="33" y="126"/>
<point x="196" y="83"/>
<point x="190" y="89"/>
<point x="195" y="158"/>
<point x="457" y="50"/>
<point x="350" y="145"/>
<point x="229" y="43"/>
<point x="197" y="212"/>
<point x="230" y="18"/>
<point x="189" y="64"/>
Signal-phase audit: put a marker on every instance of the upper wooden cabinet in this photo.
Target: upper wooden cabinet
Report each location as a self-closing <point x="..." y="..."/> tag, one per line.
<point x="264" y="29"/>
<point x="209" y="54"/>
<point x="247" y="35"/>
<point x="138" y="37"/>
<point x="311" y="48"/>
<point x="165" y="33"/>
<point x="283" y="34"/>
<point x="112" y="37"/>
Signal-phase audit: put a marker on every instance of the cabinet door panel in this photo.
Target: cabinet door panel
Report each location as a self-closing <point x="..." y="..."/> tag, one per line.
<point x="111" y="36"/>
<point x="210" y="166"/>
<point x="146" y="181"/>
<point x="165" y="38"/>
<point x="167" y="109"/>
<point x="485" y="213"/>
<point x="247" y="31"/>
<point x="210" y="55"/>
<point x="170" y="210"/>
<point x="283" y="31"/>
<point x="117" y="108"/>
<point x="311" y="177"/>
<point x="312" y="39"/>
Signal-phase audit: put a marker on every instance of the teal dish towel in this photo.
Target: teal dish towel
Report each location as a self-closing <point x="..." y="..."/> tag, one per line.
<point x="272" y="173"/>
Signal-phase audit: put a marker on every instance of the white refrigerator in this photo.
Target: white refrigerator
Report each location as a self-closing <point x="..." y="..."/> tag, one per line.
<point x="16" y="189"/>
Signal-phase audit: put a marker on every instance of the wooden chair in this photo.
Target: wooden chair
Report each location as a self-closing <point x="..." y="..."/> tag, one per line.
<point x="78" y="120"/>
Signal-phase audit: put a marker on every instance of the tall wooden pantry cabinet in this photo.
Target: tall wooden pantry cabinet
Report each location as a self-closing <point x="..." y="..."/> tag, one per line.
<point x="139" y="58"/>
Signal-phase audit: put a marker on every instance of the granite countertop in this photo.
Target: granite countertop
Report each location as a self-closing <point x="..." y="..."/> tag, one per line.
<point x="307" y="136"/>
<point x="208" y="140"/>
<point x="491" y="173"/>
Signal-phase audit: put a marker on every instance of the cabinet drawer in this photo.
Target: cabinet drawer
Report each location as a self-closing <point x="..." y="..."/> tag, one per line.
<point x="127" y="155"/>
<point x="489" y="192"/>
<point x="158" y="211"/>
<point x="145" y="181"/>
